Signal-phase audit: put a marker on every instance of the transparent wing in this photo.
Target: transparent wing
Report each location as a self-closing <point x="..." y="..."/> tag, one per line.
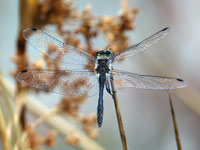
<point x="71" y="83"/>
<point x="56" y="49"/>
<point x="135" y="49"/>
<point x="126" y="79"/>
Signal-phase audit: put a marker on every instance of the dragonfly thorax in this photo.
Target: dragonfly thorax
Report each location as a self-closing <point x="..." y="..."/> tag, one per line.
<point x="103" y="61"/>
<point x="102" y="66"/>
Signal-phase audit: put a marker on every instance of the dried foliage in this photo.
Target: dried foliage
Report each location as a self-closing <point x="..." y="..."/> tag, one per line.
<point x="35" y="140"/>
<point x="62" y="14"/>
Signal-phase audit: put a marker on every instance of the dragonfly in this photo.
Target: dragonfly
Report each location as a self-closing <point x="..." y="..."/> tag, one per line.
<point x="87" y="82"/>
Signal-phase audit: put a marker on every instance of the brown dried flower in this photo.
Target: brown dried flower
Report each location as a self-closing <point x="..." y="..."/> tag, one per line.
<point x="71" y="105"/>
<point x="72" y="140"/>
<point x="50" y="139"/>
<point x="87" y="27"/>
<point x="88" y="123"/>
<point x="34" y="140"/>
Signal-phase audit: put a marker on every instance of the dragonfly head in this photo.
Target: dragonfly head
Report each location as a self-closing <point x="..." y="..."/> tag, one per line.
<point x="104" y="54"/>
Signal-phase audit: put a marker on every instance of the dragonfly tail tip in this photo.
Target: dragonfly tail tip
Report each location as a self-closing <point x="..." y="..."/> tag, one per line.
<point x="99" y="124"/>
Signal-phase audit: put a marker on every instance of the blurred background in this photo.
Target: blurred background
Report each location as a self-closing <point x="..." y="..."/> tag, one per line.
<point x="146" y="113"/>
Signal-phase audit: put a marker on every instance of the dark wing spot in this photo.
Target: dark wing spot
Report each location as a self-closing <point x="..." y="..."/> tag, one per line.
<point x="25" y="70"/>
<point x="165" y="28"/>
<point x="179" y="80"/>
<point x="34" y="29"/>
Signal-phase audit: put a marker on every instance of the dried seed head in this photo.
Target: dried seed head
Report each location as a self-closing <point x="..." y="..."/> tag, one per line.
<point x="94" y="134"/>
<point x="38" y="64"/>
<point x="50" y="139"/>
<point x="72" y="140"/>
<point x="34" y="140"/>
<point x="71" y="105"/>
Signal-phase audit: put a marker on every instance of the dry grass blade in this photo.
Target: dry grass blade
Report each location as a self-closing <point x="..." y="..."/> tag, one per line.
<point x="3" y="133"/>
<point x="178" y="141"/>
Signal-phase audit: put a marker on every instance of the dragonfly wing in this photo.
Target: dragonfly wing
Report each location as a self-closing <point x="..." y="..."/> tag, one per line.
<point x="135" y="49"/>
<point x="55" y="49"/>
<point x="71" y="83"/>
<point x="123" y="79"/>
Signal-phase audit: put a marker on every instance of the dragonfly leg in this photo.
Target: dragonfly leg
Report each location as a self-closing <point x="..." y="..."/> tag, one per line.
<point x="102" y="79"/>
<point x="108" y="87"/>
<point x="111" y="82"/>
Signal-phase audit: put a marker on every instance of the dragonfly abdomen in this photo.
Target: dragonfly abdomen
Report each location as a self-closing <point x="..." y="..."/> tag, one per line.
<point x="100" y="114"/>
<point x="102" y="79"/>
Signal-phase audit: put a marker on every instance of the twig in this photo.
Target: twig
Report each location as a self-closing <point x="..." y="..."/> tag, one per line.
<point x="119" y="119"/>
<point x="178" y="141"/>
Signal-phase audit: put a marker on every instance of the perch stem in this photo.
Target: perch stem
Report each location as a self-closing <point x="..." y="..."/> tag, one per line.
<point x="120" y="123"/>
<point x="178" y="141"/>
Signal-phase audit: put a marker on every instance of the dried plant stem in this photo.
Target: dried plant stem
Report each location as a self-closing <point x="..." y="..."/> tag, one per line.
<point x="62" y="125"/>
<point x="45" y="117"/>
<point x="7" y="97"/>
<point x="178" y="141"/>
<point x="10" y="118"/>
<point x="38" y="121"/>
<point x="27" y="9"/>
<point x="57" y="122"/>
<point x="20" y="101"/>
<point x="120" y="123"/>
<point x="3" y="133"/>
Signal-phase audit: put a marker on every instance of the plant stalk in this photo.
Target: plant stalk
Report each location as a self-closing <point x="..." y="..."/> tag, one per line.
<point x="178" y="141"/>
<point x="4" y="131"/>
<point x="120" y="123"/>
